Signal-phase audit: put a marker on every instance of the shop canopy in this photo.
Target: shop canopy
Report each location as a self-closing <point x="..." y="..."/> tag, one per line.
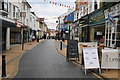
<point x="69" y="18"/>
<point x="7" y="22"/>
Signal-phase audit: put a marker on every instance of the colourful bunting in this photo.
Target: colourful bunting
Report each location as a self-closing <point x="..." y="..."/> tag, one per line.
<point x="58" y="4"/>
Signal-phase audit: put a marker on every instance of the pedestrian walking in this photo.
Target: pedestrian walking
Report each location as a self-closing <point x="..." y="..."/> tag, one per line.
<point x="33" y="38"/>
<point x="44" y="36"/>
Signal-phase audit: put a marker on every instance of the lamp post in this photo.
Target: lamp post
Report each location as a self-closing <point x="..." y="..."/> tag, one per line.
<point x="23" y="15"/>
<point x="22" y="39"/>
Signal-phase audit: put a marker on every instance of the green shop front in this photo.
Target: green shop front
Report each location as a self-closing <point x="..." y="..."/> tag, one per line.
<point x="84" y="28"/>
<point x="97" y="26"/>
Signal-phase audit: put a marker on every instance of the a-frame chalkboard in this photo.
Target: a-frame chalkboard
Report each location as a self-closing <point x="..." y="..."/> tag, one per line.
<point x="72" y="50"/>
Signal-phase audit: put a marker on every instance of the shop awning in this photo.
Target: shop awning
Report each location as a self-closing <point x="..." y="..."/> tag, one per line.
<point x="7" y="22"/>
<point x="69" y="18"/>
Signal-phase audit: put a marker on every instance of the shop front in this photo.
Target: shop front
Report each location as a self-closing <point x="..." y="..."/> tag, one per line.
<point x="15" y="36"/>
<point x="6" y="25"/>
<point x="97" y="26"/>
<point x="84" y="28"/>
<point x="112" y="27"/>
<point x="68" y="21"/>
<point x="75" y="30"/>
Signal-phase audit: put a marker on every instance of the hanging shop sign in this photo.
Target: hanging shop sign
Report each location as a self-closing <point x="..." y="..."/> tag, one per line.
<point x="110" y="59"/>
<point x="114" y="11"/>
<point x="97" y="18"/>
<point x="23" y="14"/>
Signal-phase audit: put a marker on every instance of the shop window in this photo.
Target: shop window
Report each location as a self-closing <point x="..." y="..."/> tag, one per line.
<point x="118" y="31"/>
<point x="118" y="26"/>
<point x="113" y="37"/>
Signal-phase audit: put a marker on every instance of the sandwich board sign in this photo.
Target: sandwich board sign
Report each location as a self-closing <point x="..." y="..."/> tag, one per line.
<point x="72" y="50"/>
<point x="90" y="57"/>
<point x="110" y="59"/>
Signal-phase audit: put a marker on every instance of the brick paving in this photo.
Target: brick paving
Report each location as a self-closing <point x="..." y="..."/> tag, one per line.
<point x="13" y="56"/>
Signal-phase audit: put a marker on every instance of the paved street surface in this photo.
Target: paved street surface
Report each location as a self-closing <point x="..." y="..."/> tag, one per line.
<point x="43" y="61"/>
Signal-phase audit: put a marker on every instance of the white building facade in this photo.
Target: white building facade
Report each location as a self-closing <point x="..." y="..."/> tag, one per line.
<point x="13" y="20"/>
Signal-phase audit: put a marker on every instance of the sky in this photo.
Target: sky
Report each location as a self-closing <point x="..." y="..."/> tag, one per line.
<point x="49" y="11"/>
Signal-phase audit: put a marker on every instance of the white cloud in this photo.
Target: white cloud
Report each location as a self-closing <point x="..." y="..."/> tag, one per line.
<point x="47" y="10"/>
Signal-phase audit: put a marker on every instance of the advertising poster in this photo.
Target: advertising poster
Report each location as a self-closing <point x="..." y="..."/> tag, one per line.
<point x="91" y="58"/>
<point x="110" y="59"/>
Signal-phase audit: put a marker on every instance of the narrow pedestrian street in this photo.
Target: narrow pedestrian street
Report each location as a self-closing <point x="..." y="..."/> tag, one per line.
<point x="43" y="61"/>
<point x="59" y="39"/>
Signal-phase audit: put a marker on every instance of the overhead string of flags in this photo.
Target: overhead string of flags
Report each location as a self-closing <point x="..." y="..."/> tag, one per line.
<point x="51" y="23"/>
<point x="55" y="3"/>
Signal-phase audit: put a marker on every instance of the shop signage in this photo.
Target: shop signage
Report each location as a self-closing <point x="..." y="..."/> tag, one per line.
<point x="92" y="44"/>
<point x="23" y="14"/>
<point x="90" y="56"/>
<point x="114" y="11"/>
<point x="83" y="21"/>
<point x="42" y="19"/>
<point x="110" y="59"/>
<point x="97" y="18"/>
<point x="72" y="49"/>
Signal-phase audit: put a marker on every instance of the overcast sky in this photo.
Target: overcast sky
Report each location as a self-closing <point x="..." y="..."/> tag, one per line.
<point x="49" y="11"/>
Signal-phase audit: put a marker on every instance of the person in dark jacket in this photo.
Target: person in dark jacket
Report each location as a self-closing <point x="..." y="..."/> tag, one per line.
<point x="44" y="36"/>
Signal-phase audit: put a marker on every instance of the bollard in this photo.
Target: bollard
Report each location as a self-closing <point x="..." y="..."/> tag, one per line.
<point x="3" y="66"/>
<point x="61" y="45"/>
<point x="22" y="46"/>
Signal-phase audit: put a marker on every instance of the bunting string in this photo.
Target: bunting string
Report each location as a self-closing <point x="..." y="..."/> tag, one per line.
<point x="54" y="3"/>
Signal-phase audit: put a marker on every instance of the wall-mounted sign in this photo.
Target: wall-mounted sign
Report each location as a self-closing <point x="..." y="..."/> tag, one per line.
<point x="99" y="33"/>
<point x="23" y="14"/>
<point x="97" y="18"/>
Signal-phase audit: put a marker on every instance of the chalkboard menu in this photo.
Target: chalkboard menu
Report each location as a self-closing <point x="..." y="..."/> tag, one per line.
<point x="72" y="49"/>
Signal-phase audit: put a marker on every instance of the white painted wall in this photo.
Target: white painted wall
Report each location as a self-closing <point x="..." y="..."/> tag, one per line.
<point x="8" y="38"/>
<point x="91" y="5"/>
